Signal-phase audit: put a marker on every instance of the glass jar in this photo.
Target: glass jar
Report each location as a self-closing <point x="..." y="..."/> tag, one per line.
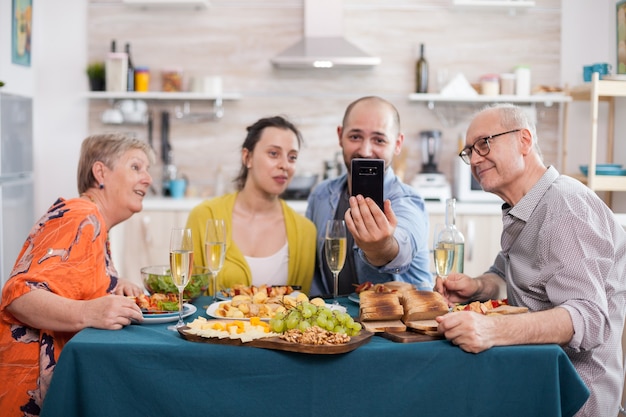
<point x="507" y="84"/>
<point x="142" y="79"/>
<point x="172" y="80"/>
<point x="116" y="71"/>
<point x="490" y="85"/>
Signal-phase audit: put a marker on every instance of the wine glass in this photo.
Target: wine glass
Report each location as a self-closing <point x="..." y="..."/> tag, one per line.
<point x="443" y="250"/>
<point x="335" y="249"/>
<point x="215" y="246"/>
<point x="181" y="264"/>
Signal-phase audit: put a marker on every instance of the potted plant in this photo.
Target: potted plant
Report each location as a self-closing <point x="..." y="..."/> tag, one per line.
<point x="95" y="72"/>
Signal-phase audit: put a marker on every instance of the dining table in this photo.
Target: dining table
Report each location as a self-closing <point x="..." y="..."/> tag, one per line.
<point x="148" y="370"/>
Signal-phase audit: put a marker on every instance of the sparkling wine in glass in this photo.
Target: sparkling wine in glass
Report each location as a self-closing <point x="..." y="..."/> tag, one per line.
<point x="215" y="246"/>
<point x="181" y="264"/>
<point x="443" y="250"/>
<point x="335" y="249"/>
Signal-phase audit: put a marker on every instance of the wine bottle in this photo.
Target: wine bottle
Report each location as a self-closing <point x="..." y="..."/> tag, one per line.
<point x="421" y="73"/>
<point x="459" y="239"/>
<point x="130" y="85"/>
<point x="113" y="47"/>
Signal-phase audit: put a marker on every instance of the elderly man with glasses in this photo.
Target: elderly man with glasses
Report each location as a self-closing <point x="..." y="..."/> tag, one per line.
<point x="563" y="256"/>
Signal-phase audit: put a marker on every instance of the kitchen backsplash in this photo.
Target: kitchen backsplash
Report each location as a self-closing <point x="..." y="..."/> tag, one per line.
<point x="236" y="40"/>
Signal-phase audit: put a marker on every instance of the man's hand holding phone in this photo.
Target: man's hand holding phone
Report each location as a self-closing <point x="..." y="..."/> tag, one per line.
<point x="371" y="221"/>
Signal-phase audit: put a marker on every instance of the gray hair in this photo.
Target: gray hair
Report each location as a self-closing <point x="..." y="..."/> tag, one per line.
<point x="106" y="148"/>
<point x="515" y="117"/>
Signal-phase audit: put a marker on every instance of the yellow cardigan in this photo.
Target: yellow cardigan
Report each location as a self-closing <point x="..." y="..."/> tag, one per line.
<point x="301" y="235"/>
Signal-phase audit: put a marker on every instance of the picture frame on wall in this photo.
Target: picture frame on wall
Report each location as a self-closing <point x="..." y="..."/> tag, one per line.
<point x="621" y="36"/>
<point x="21" y="32"/>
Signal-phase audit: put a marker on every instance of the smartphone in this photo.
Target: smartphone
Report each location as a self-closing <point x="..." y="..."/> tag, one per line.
<point x="367" y="178"/>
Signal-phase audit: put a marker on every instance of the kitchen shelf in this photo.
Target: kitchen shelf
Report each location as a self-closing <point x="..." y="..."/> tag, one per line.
<point x="594" y="92"/>
<point x="195" y="4"/>
<point x="508" y="4"/>
<point x="546" y="99"/>
<point x="450" y="115"/>
<point x="160" y="95"/>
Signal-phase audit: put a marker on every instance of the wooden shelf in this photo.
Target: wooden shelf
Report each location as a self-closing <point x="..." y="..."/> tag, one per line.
<point x="604" y="182"/>
<point x="594" y="92"/>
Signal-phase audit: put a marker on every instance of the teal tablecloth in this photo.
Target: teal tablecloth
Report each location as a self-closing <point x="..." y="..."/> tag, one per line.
<point x="147" y="370"/>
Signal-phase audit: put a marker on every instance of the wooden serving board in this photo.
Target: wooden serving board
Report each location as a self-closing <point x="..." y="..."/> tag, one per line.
<point x="276" y="343"/>
<point x="408" y="337"/>
<point x="378" y="326"/>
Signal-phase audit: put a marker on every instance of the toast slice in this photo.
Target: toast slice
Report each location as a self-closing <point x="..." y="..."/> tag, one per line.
<point x="422" y="305"/>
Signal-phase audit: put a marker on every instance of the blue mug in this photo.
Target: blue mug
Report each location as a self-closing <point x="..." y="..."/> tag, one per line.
<point x="603" y="68"/>
<point x="177" y="188"/>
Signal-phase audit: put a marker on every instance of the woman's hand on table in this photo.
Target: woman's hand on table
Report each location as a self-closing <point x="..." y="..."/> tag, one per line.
<point x="111" y="312"/>
<point x="125" y="287"/>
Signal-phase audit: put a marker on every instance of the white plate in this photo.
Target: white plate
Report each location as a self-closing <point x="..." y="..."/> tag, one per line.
<point x="222" y="297"/>
<point x="354" y="297"/>
<point x="188" y="310"/>
<point x="212" y="309"/>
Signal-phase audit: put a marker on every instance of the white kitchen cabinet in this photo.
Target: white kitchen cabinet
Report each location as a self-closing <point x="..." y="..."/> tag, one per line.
<point x="143" y="240"/>
<point x="482" y="239"/>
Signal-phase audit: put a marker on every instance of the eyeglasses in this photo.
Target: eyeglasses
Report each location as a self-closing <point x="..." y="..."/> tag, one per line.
<point x="481" y="146"/>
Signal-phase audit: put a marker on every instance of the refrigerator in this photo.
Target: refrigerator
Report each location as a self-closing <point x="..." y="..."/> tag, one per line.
<point x="16" y="178"/>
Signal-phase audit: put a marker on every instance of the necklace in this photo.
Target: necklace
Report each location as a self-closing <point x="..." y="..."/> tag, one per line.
<point x="89" y="197"/>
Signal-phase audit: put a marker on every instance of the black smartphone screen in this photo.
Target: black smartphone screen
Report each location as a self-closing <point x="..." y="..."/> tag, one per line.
<point x="367" y="178"/>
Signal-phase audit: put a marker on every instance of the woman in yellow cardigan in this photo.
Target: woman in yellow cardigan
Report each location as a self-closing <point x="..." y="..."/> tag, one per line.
<point x="267" y="241"/>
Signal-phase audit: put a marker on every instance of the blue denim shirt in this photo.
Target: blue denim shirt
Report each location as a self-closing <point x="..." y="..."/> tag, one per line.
<point x="412" y="264"/>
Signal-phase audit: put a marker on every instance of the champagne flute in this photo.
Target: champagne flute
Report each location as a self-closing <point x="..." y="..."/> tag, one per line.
<point x="215" y="246"/>
<point x="335" y="249"/>
<point x="443" y="250"/>
<point x="181" y="264"/>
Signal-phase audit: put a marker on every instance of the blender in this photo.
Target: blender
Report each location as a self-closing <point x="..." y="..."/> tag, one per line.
<point x="430" y="183"/>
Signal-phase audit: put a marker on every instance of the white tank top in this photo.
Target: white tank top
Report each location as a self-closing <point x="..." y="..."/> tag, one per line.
<point x="272" y="270"/>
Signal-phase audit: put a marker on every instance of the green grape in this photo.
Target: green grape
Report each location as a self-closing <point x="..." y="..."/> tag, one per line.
<point x="324" y="311"/>
<point x="330" y="325"/>
<point x="342" y="317"/>
<point x="321" y="321"/>
<point x="303" y="325"/>
<point x="307" y="310"/>
<point x="279" y="315"/>
<point x="354" y="329"/>
<point x="292" y="321"/>
<point x="278" y="326"/>
<point x="339" y="329"/>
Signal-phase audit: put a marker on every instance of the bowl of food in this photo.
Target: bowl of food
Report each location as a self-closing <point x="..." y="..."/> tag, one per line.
<point x="158" y="279"/>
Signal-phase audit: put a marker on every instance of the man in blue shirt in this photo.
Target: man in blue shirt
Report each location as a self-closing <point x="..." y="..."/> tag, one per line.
<point x="383" y="245"/>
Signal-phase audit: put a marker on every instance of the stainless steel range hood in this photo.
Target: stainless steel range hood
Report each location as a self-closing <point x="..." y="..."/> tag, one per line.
<point x="323" y="45"/>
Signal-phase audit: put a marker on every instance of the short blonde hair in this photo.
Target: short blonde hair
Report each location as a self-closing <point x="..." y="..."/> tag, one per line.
<point x="106" y="148"/>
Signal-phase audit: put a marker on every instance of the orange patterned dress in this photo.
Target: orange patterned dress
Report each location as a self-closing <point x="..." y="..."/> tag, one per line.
<point x="66" y="253"/>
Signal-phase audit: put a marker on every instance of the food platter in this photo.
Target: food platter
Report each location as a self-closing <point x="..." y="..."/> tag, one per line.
<point x="275" y="343"/>
<point x="211" y="311"/>
<point x="273" y="291"/>
<point x="222" y="297"/>
<point x="154" y="318"/>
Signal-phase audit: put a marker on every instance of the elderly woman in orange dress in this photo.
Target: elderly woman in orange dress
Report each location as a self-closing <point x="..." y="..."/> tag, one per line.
<point x="64" y="280"/>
